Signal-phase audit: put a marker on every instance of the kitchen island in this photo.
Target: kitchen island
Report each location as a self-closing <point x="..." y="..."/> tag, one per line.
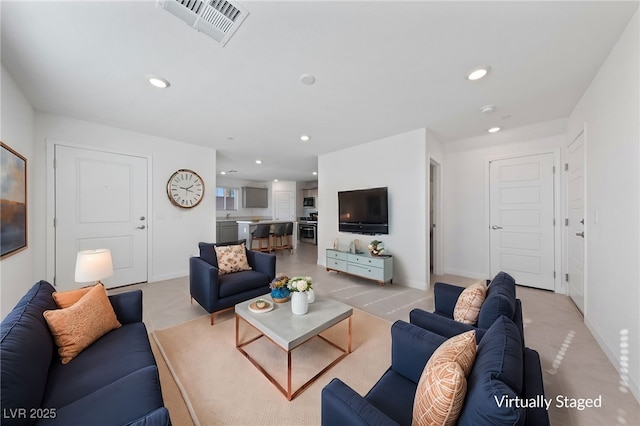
<point x="246" y="227"/>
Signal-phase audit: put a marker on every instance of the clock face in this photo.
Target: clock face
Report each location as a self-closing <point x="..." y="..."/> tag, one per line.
<point x="185" y="188"/>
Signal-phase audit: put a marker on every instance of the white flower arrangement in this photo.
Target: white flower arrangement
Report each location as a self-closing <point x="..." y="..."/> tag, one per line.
<point x="376" y="247"/>
<point x="300" y="284"/>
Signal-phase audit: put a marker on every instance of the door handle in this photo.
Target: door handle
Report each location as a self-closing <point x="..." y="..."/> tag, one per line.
<point x="140" y="227"/>
<point x="496" y="227"/>
<point x="580" y="234"/>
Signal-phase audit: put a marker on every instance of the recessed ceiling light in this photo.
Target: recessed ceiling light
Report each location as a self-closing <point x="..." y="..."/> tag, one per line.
<point x="305" y="138"/>
<point x="307" y="79"/>
<point x="478" y="73"/>
<point x="275" y="180"/>
<point x="315" y="173"/>
<point x="258" y="161"/>
<point x="159" y="82"/>
<point x="487" y="109"/>
<point x="494" y="130"/>
<point x="223" y="173"/>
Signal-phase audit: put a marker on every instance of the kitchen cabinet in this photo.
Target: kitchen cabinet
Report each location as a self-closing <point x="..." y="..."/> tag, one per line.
<point x="255" y="197"/>
<point x="377" y="268"/>
<point x="226" y="231"/>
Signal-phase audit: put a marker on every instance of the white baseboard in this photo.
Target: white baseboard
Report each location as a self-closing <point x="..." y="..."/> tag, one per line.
<point x="632" y="382"/>
<point x="468" y="274"/>
<point x="165" y="277"/>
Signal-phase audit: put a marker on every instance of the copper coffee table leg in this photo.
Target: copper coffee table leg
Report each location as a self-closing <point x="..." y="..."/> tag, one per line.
<point x="288" y="391"/>
<point x="289" y="375"/>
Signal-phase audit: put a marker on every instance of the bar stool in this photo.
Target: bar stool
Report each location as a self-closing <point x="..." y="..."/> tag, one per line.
<point x="278" y="236"/>
<point x="261" y="234"/>
<point x="288" y="237"/>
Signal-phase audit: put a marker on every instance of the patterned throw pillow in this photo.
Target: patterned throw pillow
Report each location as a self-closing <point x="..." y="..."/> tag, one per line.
<point x="76" y="327"/>
<point x="64" y="299"/>
<point x="461" y="349"/>
<point x="231" y="259"/>
<point x="443" y="384"/>
<point x="469" y="303"/>
<point x="440" y="395"/>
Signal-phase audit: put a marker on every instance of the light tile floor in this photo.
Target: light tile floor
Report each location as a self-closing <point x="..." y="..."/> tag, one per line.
<point x="573" y="364"/>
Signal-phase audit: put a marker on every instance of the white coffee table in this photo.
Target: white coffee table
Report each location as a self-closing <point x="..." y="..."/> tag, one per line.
<point x="277" y="325"/>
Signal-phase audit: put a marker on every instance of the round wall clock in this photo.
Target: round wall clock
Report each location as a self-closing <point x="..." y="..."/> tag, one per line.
<point x="185" y="188"/>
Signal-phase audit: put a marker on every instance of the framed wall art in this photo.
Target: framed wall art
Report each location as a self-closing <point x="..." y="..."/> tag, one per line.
<point x="13" y="199"/>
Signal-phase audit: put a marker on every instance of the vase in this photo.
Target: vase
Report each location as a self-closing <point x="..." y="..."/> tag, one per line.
<point x="280" y="295"/>
<point x="299" y="303"/>
<point x="311" y="296"/>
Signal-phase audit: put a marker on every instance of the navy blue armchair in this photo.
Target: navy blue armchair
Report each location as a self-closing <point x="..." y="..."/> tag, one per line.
<point x="501" y="367"/>
<point x="500" y="300"/>
<point x="217" y="293"/>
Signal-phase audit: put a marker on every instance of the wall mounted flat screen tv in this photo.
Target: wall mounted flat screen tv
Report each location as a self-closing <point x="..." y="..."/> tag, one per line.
<point x="363" y="211"/>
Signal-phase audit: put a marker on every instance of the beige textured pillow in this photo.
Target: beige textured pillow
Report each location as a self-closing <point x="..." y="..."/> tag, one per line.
<point x="76" y="327"/>
<point x="469" y="302"/>
<point x="461" y="349"/>
<point x="64" y="299"/>
<point x="440" y="395"/>
<point x="231" y="259"/>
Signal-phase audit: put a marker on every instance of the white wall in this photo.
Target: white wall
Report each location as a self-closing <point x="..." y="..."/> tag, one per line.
<point x="174" y="232"/>
<point x="466" y="238"/>
<point x="610" y="112"/>
<point x="17" y="272"/>
<point x="400" y="163"/>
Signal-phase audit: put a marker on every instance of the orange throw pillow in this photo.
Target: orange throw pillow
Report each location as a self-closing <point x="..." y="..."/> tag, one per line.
<point x="443" y="383"/>
<point x="469" y="303"/>
<point x="64" y="299"/>
<point x="440" y="395"/>
<point x="76" y="327"/>
<point x="461" y="349"/>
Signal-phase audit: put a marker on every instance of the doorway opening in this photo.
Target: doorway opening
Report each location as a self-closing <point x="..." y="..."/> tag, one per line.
<point x="434" y="219"/>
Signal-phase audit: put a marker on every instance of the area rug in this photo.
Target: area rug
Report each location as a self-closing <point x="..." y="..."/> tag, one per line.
<point x="222" y="387"/>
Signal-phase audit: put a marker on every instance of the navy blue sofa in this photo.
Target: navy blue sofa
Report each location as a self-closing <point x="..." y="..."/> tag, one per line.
<point x="114" y="381"/>
<point x="217" y="293"/>
<point x="500" y="300"/>
<point x="501" y="367"/>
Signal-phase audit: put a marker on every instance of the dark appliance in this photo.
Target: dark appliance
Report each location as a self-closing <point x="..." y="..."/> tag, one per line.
<point x="363" y="211"/>
<point x="307" y="232"/>
<point x="309" y="201"/>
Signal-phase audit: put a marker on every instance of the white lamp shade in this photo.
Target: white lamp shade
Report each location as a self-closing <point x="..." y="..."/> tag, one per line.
<point x="93" y="265"/>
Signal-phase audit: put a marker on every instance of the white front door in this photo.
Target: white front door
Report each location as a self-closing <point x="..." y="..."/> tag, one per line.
<point x="575" y="240"/>
<point x="522" y="220"/>
<point x="285" y="208"/>
<point x="100" y="202"/>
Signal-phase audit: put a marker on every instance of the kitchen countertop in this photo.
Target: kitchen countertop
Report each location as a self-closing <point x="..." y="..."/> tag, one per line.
<point x="265" y="221"/>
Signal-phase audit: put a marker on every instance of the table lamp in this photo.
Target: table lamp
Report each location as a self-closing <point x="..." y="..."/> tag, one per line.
<point x="93" y="265"/>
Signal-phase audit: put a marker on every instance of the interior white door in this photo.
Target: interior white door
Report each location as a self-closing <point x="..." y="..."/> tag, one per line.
<point x="575" y="240"/>
<point x="522" y="220"/>
<point x="285" y="206"/>
<point x="100" y="202"/>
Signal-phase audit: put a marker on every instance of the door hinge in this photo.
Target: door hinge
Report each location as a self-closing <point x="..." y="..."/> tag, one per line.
<point x="566" y="167"/>
<point x="566" y="277"/>
<point x="566" y="222"/>
<point x="554" y="170"/>
<point x="54" y="222"/>
<point x="554" y="274"/>
<point x="554" y="222"/>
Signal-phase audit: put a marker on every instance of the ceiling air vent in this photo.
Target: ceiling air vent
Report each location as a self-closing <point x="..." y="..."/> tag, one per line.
<point x="218" y="19"/>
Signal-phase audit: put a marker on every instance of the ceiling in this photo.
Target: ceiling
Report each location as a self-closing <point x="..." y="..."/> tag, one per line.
<point x="381" y="68"/>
